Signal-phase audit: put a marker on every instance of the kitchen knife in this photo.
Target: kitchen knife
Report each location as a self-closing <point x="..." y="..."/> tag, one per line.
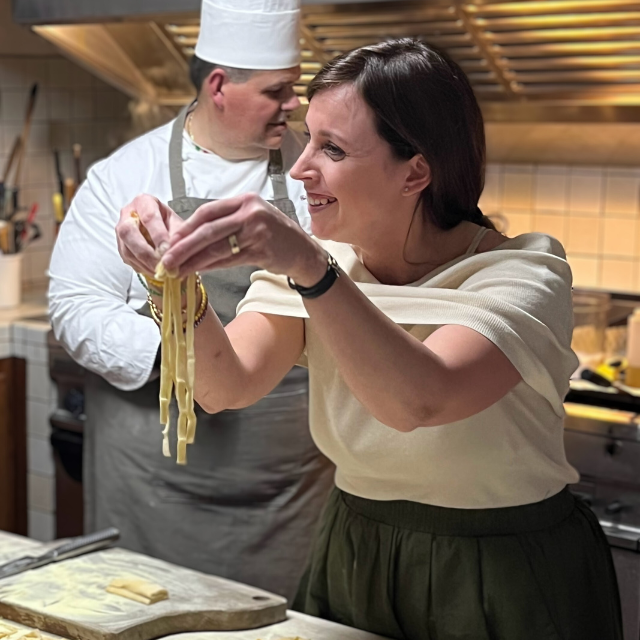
<point x="70" y="549"/>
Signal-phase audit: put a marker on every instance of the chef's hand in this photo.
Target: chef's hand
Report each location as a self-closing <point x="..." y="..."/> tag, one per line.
<point x="144" y="232"/>
<point x="265" y="237"/>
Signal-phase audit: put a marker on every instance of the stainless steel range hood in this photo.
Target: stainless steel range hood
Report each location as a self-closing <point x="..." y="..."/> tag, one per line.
<point x="528" y="60"/>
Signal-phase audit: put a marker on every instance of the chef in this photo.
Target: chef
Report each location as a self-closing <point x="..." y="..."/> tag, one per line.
<point x="246" y="504"/>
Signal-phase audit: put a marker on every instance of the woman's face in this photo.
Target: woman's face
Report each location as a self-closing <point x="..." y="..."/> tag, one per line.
<point x="354" y="184"/>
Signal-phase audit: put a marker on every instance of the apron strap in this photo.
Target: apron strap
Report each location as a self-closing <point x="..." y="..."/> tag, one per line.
<point x="276" y="174"/>
<point x="178" y="186"/>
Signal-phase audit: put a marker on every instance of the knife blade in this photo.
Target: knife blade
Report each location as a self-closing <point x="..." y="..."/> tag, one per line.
<point x="70" y="549"/>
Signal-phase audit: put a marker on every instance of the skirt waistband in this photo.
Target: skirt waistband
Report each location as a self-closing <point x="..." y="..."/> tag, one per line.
<point x="446" y="521"/>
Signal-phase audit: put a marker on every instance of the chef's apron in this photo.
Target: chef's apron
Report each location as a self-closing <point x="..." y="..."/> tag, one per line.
<point x="246" y="504"/>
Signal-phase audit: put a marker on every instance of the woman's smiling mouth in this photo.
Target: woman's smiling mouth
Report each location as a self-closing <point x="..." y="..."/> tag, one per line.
<point x="318" y="201"/>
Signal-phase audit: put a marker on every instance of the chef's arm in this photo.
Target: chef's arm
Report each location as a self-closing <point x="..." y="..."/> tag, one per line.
<point x="90" y="291"/>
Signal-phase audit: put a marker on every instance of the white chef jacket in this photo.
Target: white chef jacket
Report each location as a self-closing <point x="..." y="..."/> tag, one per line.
<point x="93" y="294"/>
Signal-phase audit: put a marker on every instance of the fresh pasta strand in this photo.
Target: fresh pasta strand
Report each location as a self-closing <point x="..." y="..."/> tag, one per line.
<point x="177" y="369"/>
<point x="166" y="372"/>
<point x="191" y="357"/>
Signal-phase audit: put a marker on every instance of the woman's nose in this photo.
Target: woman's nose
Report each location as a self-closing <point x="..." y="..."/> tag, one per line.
<point x="301" y="170"/>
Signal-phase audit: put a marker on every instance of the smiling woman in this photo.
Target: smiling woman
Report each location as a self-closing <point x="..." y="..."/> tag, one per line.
<point x="439" y="356"/>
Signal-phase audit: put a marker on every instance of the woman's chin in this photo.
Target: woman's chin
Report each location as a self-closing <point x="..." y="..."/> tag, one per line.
<point x="320" y="231"/>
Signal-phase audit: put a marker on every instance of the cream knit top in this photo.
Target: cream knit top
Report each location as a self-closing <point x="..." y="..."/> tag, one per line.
<point x="518" y="295"/>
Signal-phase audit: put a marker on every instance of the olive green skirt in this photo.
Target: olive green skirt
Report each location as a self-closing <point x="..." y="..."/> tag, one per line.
<point x="410" y="571"/>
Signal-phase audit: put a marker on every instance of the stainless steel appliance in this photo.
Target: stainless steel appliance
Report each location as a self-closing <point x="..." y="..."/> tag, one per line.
<point x="607" y="455"/>
<point x="545" y="60"/>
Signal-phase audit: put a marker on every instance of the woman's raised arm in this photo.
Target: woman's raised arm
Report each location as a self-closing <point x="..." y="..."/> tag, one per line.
<point x="236" y="365"/>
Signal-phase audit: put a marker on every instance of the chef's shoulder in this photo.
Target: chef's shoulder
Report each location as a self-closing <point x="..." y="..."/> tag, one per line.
<point x="138" y="166"/>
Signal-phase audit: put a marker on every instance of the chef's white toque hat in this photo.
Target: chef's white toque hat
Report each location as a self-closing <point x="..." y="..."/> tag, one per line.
<point x="250" y="34"/>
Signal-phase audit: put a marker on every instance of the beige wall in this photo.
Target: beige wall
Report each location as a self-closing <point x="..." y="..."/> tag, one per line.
<point x="616" y="144"/>
<point x="592" y="210"/>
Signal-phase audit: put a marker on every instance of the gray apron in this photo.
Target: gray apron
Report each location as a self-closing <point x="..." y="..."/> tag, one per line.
<point x="245" y="506"/>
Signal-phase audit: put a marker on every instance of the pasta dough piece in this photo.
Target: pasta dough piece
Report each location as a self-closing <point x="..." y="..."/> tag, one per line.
<point x="177" y="368"/>
<point x="6" y="630"/>
<point x="141" y="591"/>
<point x="9" y="632"/>
<point x="25" y="633"/>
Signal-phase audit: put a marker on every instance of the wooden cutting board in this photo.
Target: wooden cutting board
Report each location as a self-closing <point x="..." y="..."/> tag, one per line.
<point x="20" y="628"/>
<point x="69" y="599"/>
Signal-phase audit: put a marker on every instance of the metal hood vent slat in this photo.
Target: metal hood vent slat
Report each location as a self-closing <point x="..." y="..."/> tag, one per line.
<point x="574" y="54"/>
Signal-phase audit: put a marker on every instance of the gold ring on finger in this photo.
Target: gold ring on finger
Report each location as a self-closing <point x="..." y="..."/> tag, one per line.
<point x="233" y="243"/>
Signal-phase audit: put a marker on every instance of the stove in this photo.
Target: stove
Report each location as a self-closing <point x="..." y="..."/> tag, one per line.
<point x="607" y="455"/>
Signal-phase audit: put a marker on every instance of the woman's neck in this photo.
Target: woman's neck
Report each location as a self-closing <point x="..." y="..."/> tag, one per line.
<point x="412" y="258"/>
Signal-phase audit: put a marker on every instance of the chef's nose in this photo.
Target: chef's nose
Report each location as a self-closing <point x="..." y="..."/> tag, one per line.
<point x="292" y="103"/>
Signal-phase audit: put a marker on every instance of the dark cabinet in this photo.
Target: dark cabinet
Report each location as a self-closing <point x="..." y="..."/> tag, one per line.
<point x="13" y="446"/>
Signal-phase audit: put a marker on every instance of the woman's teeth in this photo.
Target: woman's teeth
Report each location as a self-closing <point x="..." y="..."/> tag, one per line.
<point x="316" y="201"/>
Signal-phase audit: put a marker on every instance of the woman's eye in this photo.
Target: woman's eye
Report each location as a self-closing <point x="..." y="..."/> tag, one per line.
<point x="333" y="151"/>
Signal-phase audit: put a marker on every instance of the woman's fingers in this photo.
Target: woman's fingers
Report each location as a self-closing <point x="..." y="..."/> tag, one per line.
<point x="216" y="256"/>
<point x="209" y="212"/>
<point x="154" y="217"/>
<point x="204" y="238"/>
<point x="134" y="263"/>
<point x="132" y="243"/>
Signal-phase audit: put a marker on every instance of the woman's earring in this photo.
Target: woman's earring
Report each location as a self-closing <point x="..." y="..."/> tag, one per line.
<point x="406" y="188"/>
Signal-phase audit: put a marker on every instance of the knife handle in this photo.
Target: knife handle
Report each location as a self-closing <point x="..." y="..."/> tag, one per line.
<point x="86" y="544"/>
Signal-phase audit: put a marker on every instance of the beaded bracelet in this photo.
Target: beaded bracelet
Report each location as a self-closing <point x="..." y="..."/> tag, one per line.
<point x="148" y="287"/>
<point x="155" y="286"/>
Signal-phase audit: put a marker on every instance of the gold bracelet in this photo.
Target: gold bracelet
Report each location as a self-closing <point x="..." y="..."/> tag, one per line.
<point x="156" y="314"/>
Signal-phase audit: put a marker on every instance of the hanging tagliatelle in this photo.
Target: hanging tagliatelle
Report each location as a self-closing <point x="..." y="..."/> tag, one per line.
<point x="178" y="359"/>
<point x="178" y="362"/>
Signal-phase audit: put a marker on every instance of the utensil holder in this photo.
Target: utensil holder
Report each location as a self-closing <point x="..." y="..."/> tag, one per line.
<point x="10" y="280"/>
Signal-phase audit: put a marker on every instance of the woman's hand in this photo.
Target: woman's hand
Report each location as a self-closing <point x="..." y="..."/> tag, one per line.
<point x="144" y="232"/>
<point x="265" y="236"/>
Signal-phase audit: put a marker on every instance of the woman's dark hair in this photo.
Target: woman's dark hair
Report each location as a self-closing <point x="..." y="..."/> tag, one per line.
<point x="423" y="103"/>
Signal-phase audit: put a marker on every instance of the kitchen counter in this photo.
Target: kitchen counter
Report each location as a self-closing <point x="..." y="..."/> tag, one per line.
<point x="296" y="624"/>
<point x="34" y="305"/>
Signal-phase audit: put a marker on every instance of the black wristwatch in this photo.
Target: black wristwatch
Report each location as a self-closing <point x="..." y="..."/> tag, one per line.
<point x="331" y="275"/>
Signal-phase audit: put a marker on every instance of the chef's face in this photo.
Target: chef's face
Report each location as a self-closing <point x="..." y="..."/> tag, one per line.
<point x="256" y="111"/>
<point x="354" y="182"/>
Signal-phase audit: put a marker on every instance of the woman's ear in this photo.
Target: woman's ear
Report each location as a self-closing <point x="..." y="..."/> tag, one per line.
<point x="418" y="177"/>
<point x="213" y="87"/>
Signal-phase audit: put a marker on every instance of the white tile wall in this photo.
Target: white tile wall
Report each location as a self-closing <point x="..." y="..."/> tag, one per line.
<point x="594" y="211"/>
<point x="585" y="191"/>
<point x="28" y="340"/>
<point x="41" y="492"/>
<point x="72" y="106"/>
<point x="41" y="525"/>
<point x="38" y="413"/>
<point x="551" y="189"/>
